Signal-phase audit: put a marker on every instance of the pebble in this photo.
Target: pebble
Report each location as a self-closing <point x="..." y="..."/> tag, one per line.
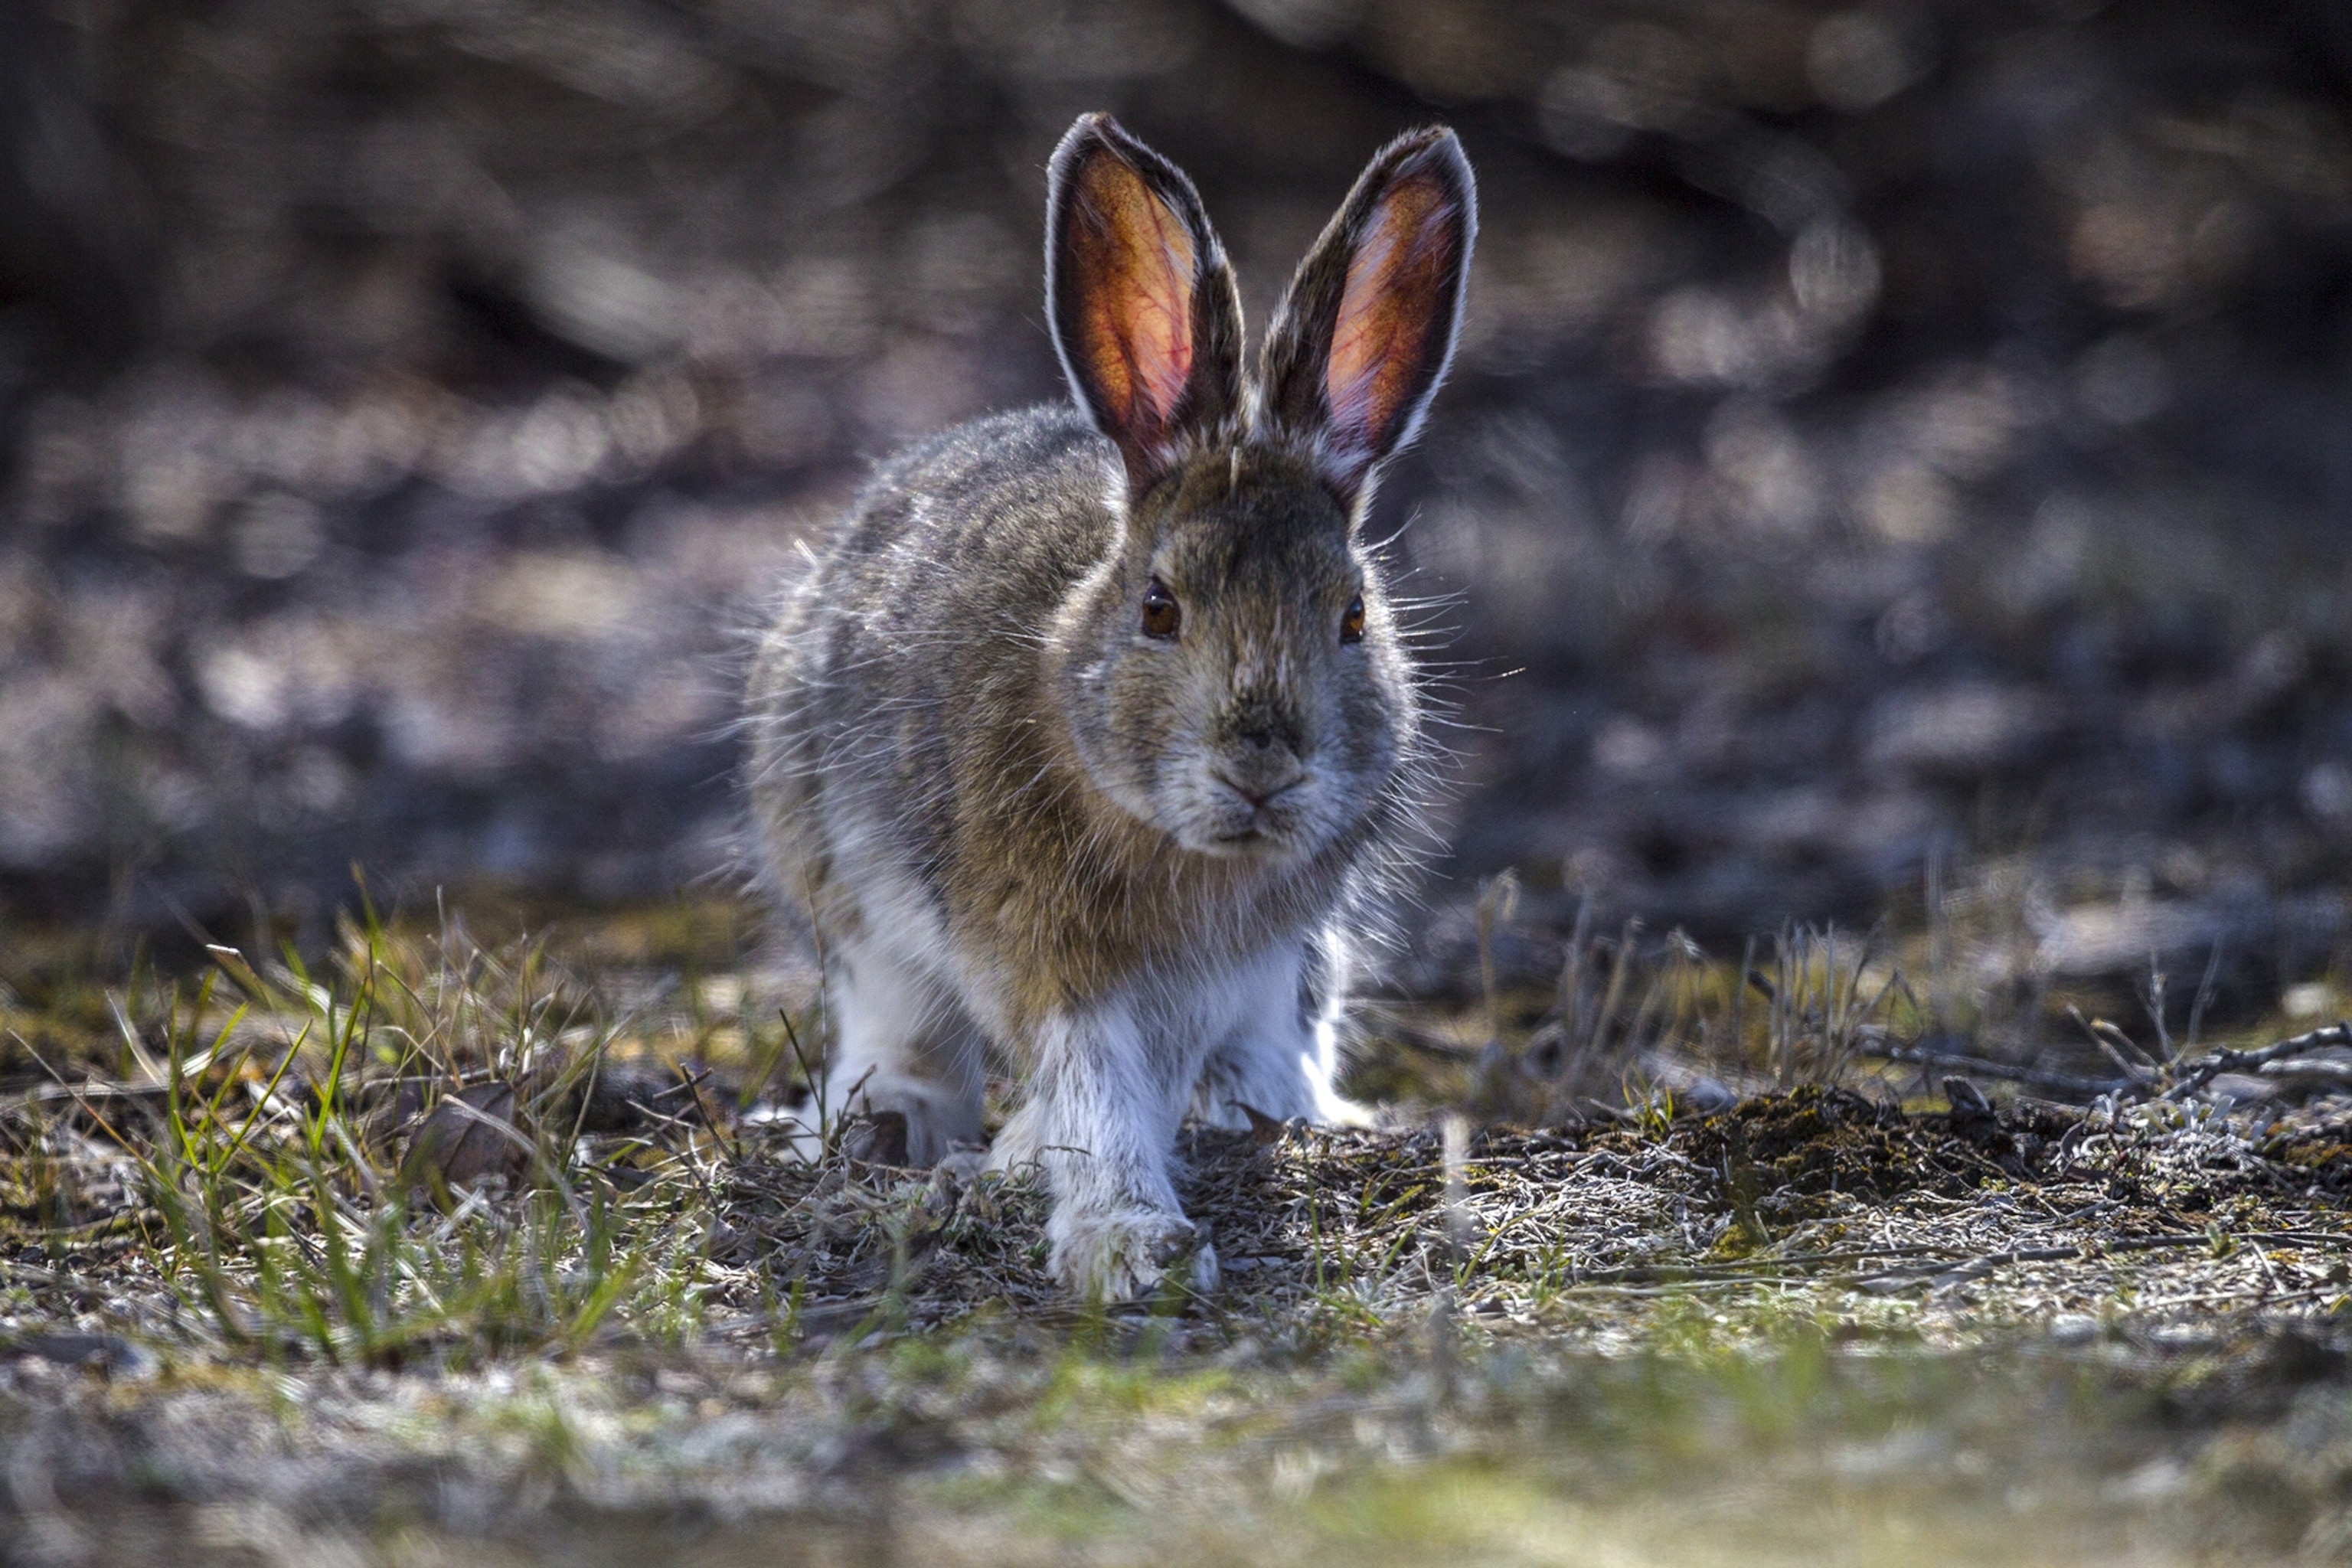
<point x="2074" y="1329"/>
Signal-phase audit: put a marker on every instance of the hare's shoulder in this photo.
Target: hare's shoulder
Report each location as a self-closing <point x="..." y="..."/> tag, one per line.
<point x="1014" y="499"/>
<point x="996" y="451"/>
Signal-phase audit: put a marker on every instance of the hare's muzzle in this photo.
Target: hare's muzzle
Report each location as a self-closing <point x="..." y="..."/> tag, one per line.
<point x="1257" y="784"/>
<point x="1260" y="768"/>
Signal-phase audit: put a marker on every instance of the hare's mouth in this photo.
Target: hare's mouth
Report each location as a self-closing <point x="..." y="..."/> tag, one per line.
<point x="1249" y="844"/>
<point x="1262" y="840"/>
<point x="1242" y="823"/>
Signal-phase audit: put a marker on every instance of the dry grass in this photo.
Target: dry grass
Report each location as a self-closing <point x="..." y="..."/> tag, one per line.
<point x="1955" y="1226"/>
<point x="444" y="1202"/>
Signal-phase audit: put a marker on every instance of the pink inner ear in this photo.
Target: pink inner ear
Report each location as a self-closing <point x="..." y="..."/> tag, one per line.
<point x="1387" y="323"/>
<point x="1136" y="264"/>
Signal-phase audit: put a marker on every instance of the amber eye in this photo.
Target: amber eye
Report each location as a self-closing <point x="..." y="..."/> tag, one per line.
<point x="1351" y="625"/>
<point x="1161" y="615"/>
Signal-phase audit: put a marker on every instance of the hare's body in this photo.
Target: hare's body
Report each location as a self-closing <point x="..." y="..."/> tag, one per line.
<point x="967" y="883"/>
<point x="1124" y="857"/>
<point x="955" y="782"/>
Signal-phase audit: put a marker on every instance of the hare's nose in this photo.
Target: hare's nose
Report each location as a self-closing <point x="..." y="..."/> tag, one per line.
<point x="1260" y="766"/>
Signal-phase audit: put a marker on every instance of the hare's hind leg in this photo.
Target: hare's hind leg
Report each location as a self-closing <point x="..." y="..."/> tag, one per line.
<point x="901" y="1043"/>
<point x="1280" y="1059"/>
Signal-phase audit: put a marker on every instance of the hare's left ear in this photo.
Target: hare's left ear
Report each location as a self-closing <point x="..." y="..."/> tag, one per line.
<point x="1364" y="334"/>
<point x="1145" y="315"/>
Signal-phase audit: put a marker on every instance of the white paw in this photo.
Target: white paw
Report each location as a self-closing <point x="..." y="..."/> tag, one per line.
<point x="1124" y="1257"/>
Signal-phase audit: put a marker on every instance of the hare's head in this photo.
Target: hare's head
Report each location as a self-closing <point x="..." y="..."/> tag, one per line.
<point x="1233" y="670"/>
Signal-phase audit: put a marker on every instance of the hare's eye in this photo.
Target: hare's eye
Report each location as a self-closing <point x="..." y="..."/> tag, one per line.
<point x="1161" y="615"/>
<point x="1351" y="625"/>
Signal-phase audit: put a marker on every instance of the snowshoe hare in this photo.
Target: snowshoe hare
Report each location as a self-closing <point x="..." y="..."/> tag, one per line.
<point x="1091" y="735"/>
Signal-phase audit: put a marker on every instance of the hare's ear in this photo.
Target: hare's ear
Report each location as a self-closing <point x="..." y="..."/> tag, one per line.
<point x="1363" y="335"/>
<point x="1146" y="316"/>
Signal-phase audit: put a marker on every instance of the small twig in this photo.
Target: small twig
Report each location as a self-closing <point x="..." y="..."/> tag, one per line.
<point x="1938" y="1258"/>
<point x="1498" y="900"/>
<point x="86" y="1292"/>
<point x="2037" y="1078"/>
<point x="2156" y="1006"/>
<point x="2111" y="1043"/>
<point x="2204" y="994"/>
<point x="1694" y="1283"/>
<point x="1653" y="1273"/>
<point x="693" y="1082"/>
<point x="2094" y="1246"/>
<point x="46" y="1093"/>
<point x="2207" y="1068"/>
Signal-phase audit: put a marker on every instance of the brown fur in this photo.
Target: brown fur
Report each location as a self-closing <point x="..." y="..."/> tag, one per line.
<point x="1133" y="863"/>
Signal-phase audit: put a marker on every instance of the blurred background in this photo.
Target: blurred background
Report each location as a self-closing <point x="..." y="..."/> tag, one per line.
<point x="1900" y="460"/>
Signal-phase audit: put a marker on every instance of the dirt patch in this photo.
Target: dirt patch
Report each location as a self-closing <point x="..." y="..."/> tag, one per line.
<point x="1785" y="1154"/>
<point x="2044" y="1208"/>
<point x="260" y="1236"/>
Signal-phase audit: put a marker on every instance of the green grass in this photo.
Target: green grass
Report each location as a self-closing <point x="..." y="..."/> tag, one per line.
<point x="260" y="1128"/>
<point x="257" y="1175"/>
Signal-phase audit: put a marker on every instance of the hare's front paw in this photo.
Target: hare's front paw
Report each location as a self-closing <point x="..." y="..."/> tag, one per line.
<point x="1124" y="1255"/>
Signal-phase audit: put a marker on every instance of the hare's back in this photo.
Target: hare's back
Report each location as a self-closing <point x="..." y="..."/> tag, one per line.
<point x="936" y="586"/>
<point x="995" y="519"/>
<point x="918" y="628"/>
<point x="974" y="534"/>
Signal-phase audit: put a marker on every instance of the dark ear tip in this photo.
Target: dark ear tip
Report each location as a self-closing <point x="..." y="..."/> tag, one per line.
<point x="1086" y="133"/>
<point x="1097" y="133"/>
<point x="1094" y="129"/>
<point x="1435" y="148"/>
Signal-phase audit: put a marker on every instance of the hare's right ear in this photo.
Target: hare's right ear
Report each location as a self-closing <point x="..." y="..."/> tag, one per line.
<point x="1146" y="316"/>
<point x="1363" y="336"/>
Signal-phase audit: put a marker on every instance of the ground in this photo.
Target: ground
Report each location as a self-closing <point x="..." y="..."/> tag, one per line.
<point x="262" y="1304"/>
<point x="1892" y="474"/>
